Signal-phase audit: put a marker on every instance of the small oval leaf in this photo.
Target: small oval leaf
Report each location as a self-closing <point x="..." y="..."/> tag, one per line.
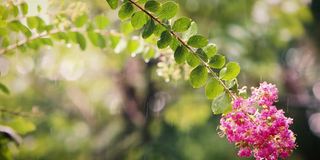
<point x="230" y="72"/>
<point x="79" y="21"/>
<point x="213" y="89"/>
<point x="81" y="41"/>
<point x="148" y="29"/>
<point x="192" y="60"/>
<point x="168" y="10"/>
<point x="113" y="3"/>
<point x="174" y="44"/>
<point x="198" y="76"/>
<point x="180" y="54"/>
<point x="182" y="24"/>
<point x="193" y="29"/>
<point x="126" y="10"/>
<point x="210" y="49"/>
<point x="152" y="6"/>
<point x="101" y="21"/>
<point x="221" y="104"/>
<point x="197" y="41"/>
<point x="24" y="8"/>
<point x="139" y="19"/>
<point x="202" y="54"/>
<point x="97" y="39"/>
<point x="217" y="61"/>
<point x="165" y="40"/>
<point x="4" y="88"/>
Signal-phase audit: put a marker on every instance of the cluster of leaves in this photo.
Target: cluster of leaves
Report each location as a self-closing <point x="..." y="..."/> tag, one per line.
<point x="36" y="32"/>
<point x="210" y="69"/>
<point x="158" y="27"/>
<point x="157" y="24"/>
<point x="20" y="29"/>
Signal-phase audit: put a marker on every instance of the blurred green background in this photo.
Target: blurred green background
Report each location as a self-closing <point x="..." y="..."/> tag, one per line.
<point x="97" y="104"/>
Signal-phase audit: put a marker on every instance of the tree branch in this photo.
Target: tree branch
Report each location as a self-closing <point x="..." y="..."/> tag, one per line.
<point x="188" y="47"/>
<point x="25" y="41"/>
<point x="14" y="113"/>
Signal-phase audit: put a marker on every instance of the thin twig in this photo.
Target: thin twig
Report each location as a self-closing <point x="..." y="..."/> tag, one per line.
<point x="35" y="37"/>
<point x="188" y="47"/>
<point x="15" y="113"/>
<point x="25" y="41"/>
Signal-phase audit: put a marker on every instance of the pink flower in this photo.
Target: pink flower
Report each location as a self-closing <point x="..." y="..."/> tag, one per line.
<point x="257" y="127"/>
<point x="244" y="152"/>
<point x="266" y="94"/>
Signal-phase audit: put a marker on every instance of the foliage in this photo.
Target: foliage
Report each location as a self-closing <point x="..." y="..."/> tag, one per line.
<point x="194" y="46"/>
<point x="164" y="36"/>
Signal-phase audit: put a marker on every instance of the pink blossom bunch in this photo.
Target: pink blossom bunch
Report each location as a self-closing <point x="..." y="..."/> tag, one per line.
<point x="257" y="127"/>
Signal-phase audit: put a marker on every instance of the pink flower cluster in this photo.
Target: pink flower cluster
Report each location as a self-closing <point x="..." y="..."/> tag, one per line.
<point x="257" y="127"/>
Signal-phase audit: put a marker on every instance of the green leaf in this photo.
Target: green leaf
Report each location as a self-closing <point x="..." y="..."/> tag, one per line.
<point x="133" y="45"/>
<point x="78" y="38"/>
<point x="152" y="6"/>
<point x="180" y="54"/>
<point x="150" y="53"/>
<point x="126" y="10"/>
<point x="221" y="104"/>
<point x="101" y="21"/>
<point x="35" y="44"/>
<point x="113" y="3"/>
<point x="114" y="39"/>
<point x="213" y="89"/>
<point x="202" y="54"/>
<point x="81" y="20"/>
<point x="210" y="50"/>
<point x="198" y="76"/>
<point x="46" y="41"/>
<point x="165" y="40"/>
<point x="126" y="27"/>
<point x="49" y="27"/>
<point x="192" y="60"/>
<point x="22" y="126"/>
<point x="4" y="88"/>
<point x="217" y="61"/>
<point x="24" y="8"/>
<point x="193" y="29"/>
<point x="230" y="72"/>
<point x="96" y="39"/>
<point x="4" y="12"/>
<point x="15" y="10"/>
<point x="139" y="19"/>
<point x="81" y="40"/>
<point x="35" y="22"/>
<point x="198" y="41"/>
<point x="182" y="24"/>
<point x="232" y="85"/>
<point x="158" y="30"/>
<point x="174" y="44"/>
<point x="148" y="29"/>
<point x="141" y="1"/>
<point x="168" y="10"/>
<point x="18" y="26"/>
<point x="61" y="36"/>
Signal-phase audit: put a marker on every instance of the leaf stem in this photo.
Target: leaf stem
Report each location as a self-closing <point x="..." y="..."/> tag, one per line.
<point x="44" y="34"/>
<point x="187" y="46"/>
<point x="14" y="113"/>
<point x="24" y="41"/>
